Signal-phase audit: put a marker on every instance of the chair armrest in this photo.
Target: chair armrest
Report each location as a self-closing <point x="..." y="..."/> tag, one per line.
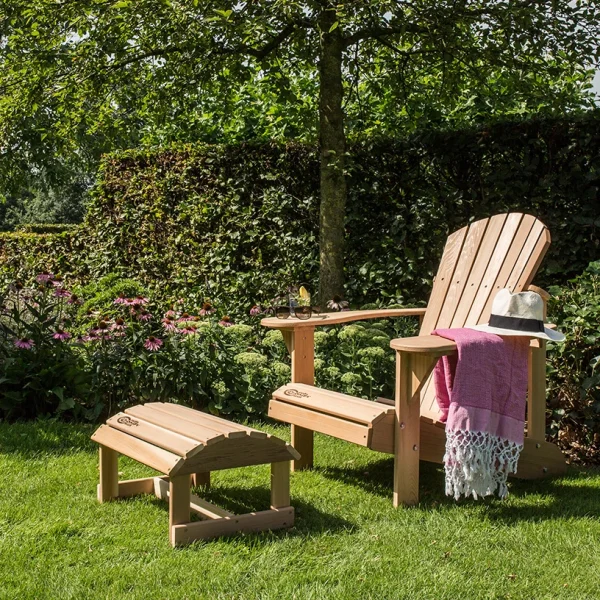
<point x="345" y="316"/>
<point x="433" y="345"/>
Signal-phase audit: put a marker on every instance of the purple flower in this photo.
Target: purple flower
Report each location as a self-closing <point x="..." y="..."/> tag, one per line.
<point x="24" y="344"/>
<point x="60" y="292"/>
<point x="337" y="303"/>
<point x="153" y="343"/>
<point x="138" y="301"/>
<point x="89" y="338"/>
<point x="191" y="329"/>
<point x="184" y="317"/>
<point x="61" y="335"/>
<point x="121" y="300"/>
<point x="207" y="309"/>
<point x="118" y="325"/>
<point x="144" y="316"/>
<point x="169" y="325"/>
<point x="44" y="277"/>
<point x="225" y="321"/>
<point x="170" y="314"/>
<point x="74" y="299"/>
<point x="255" y="310"/>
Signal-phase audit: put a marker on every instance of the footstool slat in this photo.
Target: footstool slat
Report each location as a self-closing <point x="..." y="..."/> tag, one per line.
<point x="139" y="450"/>
<point x="201" y="433"/>
<point x="158" y="436"/>
<point x="198" y="418"/>
<point x="217" y="422"/>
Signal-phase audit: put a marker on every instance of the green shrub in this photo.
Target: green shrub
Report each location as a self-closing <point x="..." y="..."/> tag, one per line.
<point x="45" y="227"/>
<point x="237" y="224"/>
<point x="574" y="370"/>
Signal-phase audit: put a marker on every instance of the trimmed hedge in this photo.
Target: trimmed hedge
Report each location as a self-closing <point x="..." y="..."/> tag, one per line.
<point x="239" y="223"/>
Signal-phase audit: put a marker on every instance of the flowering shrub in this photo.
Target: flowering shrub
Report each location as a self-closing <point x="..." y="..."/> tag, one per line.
<point x="57" y="361"/>
<point x="574" y="369"/>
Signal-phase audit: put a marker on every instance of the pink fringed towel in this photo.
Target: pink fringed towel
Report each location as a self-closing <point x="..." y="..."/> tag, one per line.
<point x="481" y="392"/>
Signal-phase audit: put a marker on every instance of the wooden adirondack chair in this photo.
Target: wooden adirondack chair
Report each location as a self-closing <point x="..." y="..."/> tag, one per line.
<point x="478" y="260"/>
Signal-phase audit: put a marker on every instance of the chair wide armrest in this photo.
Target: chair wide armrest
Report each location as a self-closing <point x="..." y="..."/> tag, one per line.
<point x="345" y="316"/>
<point x="433" y="345"/>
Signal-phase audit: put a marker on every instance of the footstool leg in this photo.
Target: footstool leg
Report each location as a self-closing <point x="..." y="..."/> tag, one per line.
<point x="280" y="484"/>
<point x="201" y="479"/>
<point x="179" y="503"/>
<point x="109" y="475"/>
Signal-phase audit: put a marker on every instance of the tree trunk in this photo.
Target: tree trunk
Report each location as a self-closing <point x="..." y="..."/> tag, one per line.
<point x="333" y="148"/>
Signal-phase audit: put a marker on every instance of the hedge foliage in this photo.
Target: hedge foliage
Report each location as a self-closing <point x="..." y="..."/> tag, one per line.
<point x="239" y="223"/>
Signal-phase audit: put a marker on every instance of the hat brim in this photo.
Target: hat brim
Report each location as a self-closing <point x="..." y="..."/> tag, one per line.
<point x="549" y="334"/>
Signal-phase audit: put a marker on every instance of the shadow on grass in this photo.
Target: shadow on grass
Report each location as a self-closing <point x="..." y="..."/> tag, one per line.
<point x="237" y="500"/>
<point x="569" y="496"/>
<point x="34" y="438"/>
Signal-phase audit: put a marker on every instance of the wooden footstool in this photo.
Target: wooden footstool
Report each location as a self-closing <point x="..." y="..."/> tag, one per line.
<point x="186" y="445"/>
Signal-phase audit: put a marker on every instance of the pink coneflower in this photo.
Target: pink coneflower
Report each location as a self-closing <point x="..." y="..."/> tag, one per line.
<point x="56" y="281"/>
<point x="139" y="300"/>
<point x="74" y="299"/>
<point x="153" y="343"/>
<point x="144" y="316"/>
<point x="60" y="292"/>
<point x="24" y="344"/>
<point x="183" y="318"/>
<point x="118" y="325"/>
<point x="337" y="303"/>
<point x="169" y="325"/>
<point x="255" y="310"/>
<point x="89" y="338"/>
<point x="61" y="335"/>
<point x="44" y="277"/>
<point x="121" y="300"/>
<point x="207" y="309"/>
<point x="225" y="321"/>
<point x="170" y="314"/>
<point x="188" y="330"/>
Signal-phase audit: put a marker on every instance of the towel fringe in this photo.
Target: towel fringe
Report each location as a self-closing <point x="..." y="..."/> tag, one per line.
<point x="478" y="463"/>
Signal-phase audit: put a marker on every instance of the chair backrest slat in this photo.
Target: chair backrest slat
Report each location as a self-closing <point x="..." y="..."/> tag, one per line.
<point x="503" y="251"/>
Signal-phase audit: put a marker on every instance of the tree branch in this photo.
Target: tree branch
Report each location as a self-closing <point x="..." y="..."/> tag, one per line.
<point x="381" y="32"/>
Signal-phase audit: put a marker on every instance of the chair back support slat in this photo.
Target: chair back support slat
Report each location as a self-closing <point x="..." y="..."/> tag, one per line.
<point x="512" y="255"/>
<point x="503" y="251"/>
<point x="443" y="279"/>
<point x="461" y="274"/>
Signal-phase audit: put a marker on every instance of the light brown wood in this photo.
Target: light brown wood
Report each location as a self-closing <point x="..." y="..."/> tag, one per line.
<point x="179" y="503"/>
<point x="280" y="484"/>
<point x="143" y="452"/>
<point x="205" y="509"/>
<point x="482" y="260"/>
<point x="540" y="459"/>
<point x="257" y="521"/>
<point x="510" y="259"/>
<point x="197" y="431"/>
<point x="407" y="435"/>
<point x="487" y="285"/>
<point x="466" y="258"/>
<point x="332" y="403"/>
<point x="383" y="434"/>
<point x="201" y="479"/>
<point x="241" y="452"/>
<point x="536" y="393"/>
<point x="218" y="424"/>
<point x="444" y="278"/>
<point x="135" y="487"/>
<point x="158" y="436"/>
<point x="109" y="474"/>
<point x="424" y="344"/>
<point x="303" y="371"/>
<point x="337" y="427"/>
<point x="346" y="316"/>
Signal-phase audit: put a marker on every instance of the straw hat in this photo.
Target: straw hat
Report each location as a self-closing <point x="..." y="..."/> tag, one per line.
<point x="519" y="314"/>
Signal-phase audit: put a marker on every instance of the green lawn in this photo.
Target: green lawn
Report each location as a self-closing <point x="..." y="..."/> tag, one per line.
<point x="57" y="542"/>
